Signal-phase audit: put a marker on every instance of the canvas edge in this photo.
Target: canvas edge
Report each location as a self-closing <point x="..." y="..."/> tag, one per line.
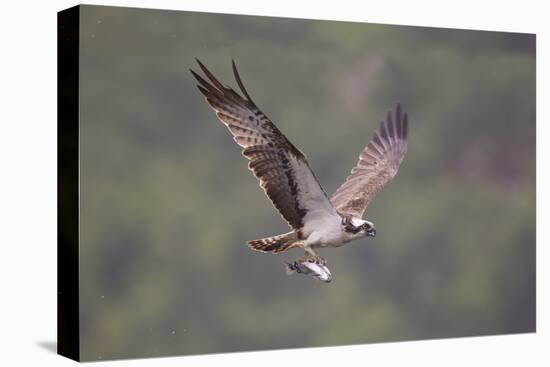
<point x="68" y="43"/>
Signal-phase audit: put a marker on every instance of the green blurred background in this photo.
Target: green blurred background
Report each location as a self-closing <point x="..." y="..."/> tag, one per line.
<point x="167" y="202"/>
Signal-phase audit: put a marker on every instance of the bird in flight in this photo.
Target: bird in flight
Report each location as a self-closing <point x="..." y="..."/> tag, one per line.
<point x="316" y="221"/>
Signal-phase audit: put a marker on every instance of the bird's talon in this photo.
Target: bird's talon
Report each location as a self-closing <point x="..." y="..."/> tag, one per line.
<point x="319" y="260"/>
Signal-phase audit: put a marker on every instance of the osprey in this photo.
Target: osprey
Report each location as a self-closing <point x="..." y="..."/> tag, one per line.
<point x="288" y="181"/>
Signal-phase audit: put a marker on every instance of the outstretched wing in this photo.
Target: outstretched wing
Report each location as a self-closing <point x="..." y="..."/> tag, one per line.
<point x="281" y="168"/>
<point x="377" y="166"/>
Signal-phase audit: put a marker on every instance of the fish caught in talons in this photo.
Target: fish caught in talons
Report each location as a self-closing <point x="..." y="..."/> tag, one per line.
<point x="312" y="267"/>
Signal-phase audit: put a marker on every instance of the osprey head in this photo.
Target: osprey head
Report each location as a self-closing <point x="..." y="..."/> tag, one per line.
<point x="368" y="228"/>
<point x="358" y="227"/>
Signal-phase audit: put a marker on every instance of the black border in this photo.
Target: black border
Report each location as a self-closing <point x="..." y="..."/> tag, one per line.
<point x="68" y="330"/>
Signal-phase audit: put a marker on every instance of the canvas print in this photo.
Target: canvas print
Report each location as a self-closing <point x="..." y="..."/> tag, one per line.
<point x="239" y="183"/>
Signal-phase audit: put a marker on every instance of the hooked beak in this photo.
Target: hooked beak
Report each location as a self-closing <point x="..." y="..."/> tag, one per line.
<point x="371" y="232"/>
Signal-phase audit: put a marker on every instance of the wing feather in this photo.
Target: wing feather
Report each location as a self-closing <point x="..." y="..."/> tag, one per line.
<point x="281" y="168"/>
<point x="377" y="166"/>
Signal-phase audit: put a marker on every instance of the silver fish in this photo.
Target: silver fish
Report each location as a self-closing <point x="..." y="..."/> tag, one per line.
<point x="310" y="267"/>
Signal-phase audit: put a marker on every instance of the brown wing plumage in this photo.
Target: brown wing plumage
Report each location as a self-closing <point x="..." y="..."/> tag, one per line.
<point x="378" y="164"/>
<point x="282" y="169"/>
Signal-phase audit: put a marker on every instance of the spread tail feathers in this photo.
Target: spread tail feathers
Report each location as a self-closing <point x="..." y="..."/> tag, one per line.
<point x="275" y="244"/>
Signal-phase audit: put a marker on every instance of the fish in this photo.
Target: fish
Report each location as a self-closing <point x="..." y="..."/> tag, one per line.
<point x="310" y="267"/>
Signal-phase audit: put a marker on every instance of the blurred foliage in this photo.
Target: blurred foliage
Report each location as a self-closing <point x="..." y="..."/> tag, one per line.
<point x="167" y="203"/>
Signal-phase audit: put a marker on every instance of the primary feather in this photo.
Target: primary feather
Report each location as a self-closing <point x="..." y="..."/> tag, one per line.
<point x="281" y="168"/>
<point x="377" y="166"/>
